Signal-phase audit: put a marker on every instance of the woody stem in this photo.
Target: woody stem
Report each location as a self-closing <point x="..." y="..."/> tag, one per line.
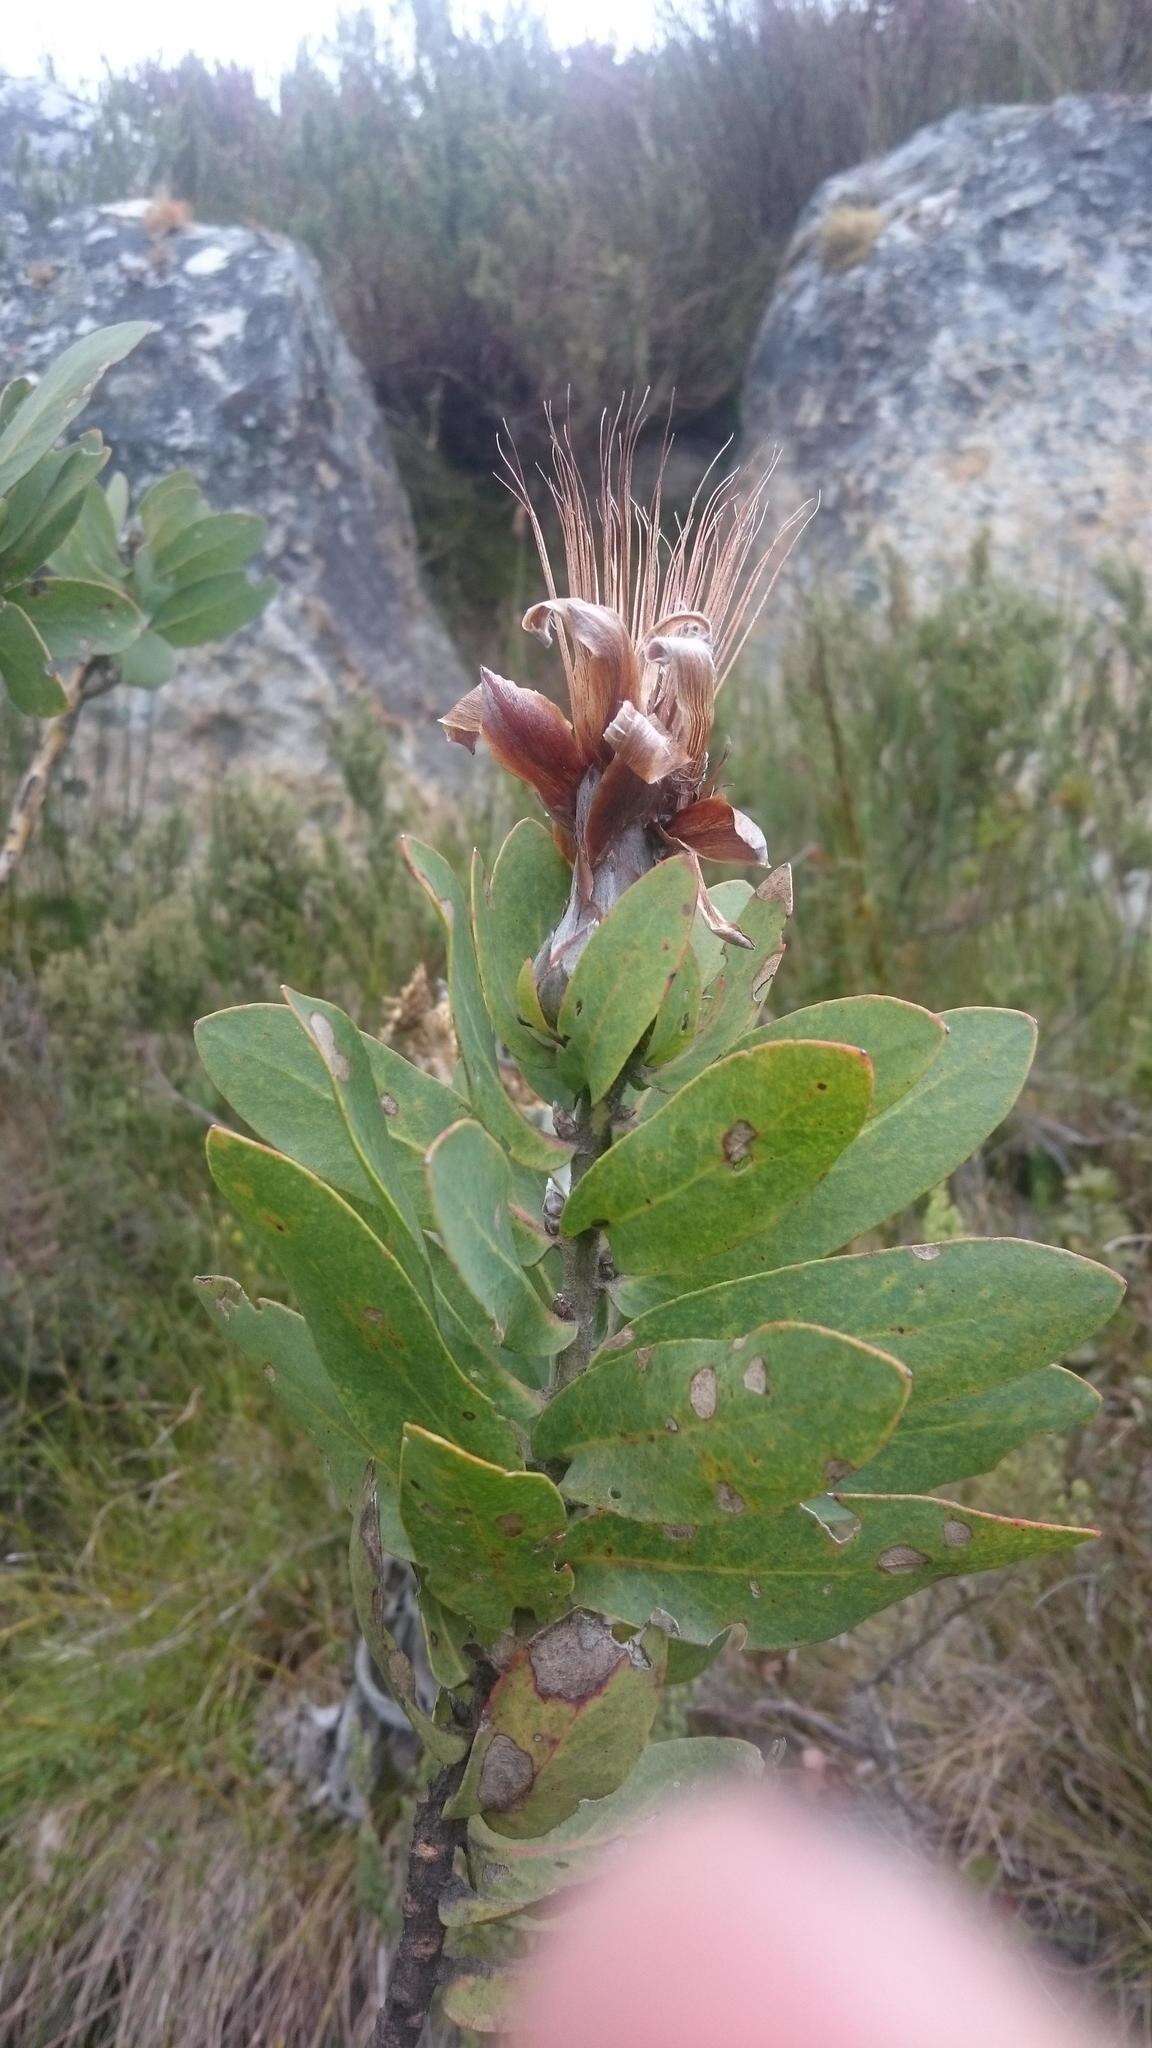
<point x="593" y="1135"/>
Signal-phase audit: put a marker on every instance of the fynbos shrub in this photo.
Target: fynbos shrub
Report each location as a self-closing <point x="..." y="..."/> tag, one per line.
<point x="609" y="1380"/>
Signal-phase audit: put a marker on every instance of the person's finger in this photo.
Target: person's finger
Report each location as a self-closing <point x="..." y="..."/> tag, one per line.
<point x="759" y="1924"/>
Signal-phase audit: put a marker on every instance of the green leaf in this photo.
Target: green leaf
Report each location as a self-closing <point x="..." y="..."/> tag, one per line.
<point x="624" y="973"/>
<point x="522" y="1140"/>
<point x="13" y="395"/>
<point x="734" y="1149"/>
<point x="90" y="549"/>
<point x="349" y="1071"/>
<point x="943" y="1441"/>
<point x="26" y="666"/>
<point x="699" y="1429"/>
<point x="689" y="1661"/>
<point x="368" y="1570"/>
<point x="148" y="663"/>
<point x="487" y="1540"/>
<point x="273" y="1076"/>
<point x="45" y="506"/>
<point x="117" y="498"/>
<point x="446" y="1636"/>
<point x="510" y="1874"/>
<point x="481" y="1999"/>
<point x="211" y="610"/>
<point x="78" y="619"/>
<point x="277" y="1340"/>
<point x="63" y="391"/>
<point x="733" y="995"/>
<point x="469" y="1182"/>
<point x="379" y="1343"/>
<point x="512" y="915"/>
<point x="466" y="1332"/>
<point x="900" y="1039"/>
<point x="566" y="1721"/>
<point x="163" y="502"/>
<point x="785" y="1576"/>
<point x="962" y="1316"/>
<point x="216" y="545"/>
<point x="678" y="1015"/>
<point x="965" y="1094"/>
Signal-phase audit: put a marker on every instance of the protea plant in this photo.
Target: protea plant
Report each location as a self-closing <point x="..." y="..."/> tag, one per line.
<point x="614" y="1382"/>
<point x="647" y="628"/>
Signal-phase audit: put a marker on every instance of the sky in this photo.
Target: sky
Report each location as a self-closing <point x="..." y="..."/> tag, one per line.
<point x="80" y="35"/>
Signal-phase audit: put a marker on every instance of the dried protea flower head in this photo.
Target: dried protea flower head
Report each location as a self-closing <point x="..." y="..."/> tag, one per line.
<point x="647" y="626"/>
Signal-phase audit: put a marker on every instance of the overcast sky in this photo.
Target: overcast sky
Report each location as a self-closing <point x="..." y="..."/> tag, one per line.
<point x="79" y="35"/>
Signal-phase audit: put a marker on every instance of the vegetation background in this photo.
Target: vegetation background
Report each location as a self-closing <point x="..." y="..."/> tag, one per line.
<point x="963" y="791"/>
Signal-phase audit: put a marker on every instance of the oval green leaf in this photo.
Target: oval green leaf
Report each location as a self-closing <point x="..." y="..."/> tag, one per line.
<point x="487" y="1540"/>
<point x="470" y="1184"/>
<point x="625" y="971"/>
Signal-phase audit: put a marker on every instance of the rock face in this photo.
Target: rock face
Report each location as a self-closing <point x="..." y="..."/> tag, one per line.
<point x="248" y="383"/>
<point x="961" y="343"/>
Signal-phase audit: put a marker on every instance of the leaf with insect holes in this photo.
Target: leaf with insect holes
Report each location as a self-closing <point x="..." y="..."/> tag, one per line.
<point x="963" y="1316"/>
<point x="965" y="1093"/>
<point x="697" y="1429"/>
<point x="624" y="973"/>
<point x="731" y="1151"/>
<point x="278" y="1340"/>
<point x="944" y="1441"/>
<point x="77" y="619"/>
<point x="470" y="1184"/>
<point x="509" y="1874"/>
<point x="900" y="1039"/>
<point x="42" y="413"/>
<point x="486" y="1540"/>
<point x="785" y="1576"/>
<point x="734" y="992"/>
<point x="26" y="666"/>
<point x="354" y="1090"/>
<point x="566" y="1721"/>
<point x="273" y="1076"/>
<point x="495" y="1109"/>
<point x="512" y="916"/>
<point x="380" y="1347"/>
<point x="367" y="1568"/>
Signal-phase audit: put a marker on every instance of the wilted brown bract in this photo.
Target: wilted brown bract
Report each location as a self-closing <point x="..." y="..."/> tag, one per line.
<point x="648" y="627"/>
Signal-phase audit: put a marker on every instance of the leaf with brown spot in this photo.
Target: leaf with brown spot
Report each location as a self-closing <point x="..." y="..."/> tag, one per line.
<point x="452" y="1506"/>
<point x="736" y="1148"/>
<point x="785" y="1576"/>
<point x="900" y="1039"/>
<point x="566" y="1721"/>
<point x="510" y="1873"/>
<point x="765" y="1437"/>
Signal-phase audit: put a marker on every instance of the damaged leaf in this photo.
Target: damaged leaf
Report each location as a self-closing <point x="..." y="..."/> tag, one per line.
<point x="734" y="1149"/>
<point x="566" y="1721"/>
<point x="900" y="1039"/>
<point x="785" y="1576"/>
<point x="509" y="1874"/>
<point x="487" y="1540"/>
<point x="688" y="1432"/>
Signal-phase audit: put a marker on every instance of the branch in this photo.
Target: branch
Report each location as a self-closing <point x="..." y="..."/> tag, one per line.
<point x="580" y="1299"/>
<point x="415" y="1970"/>
<point x="89" y="680"/>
